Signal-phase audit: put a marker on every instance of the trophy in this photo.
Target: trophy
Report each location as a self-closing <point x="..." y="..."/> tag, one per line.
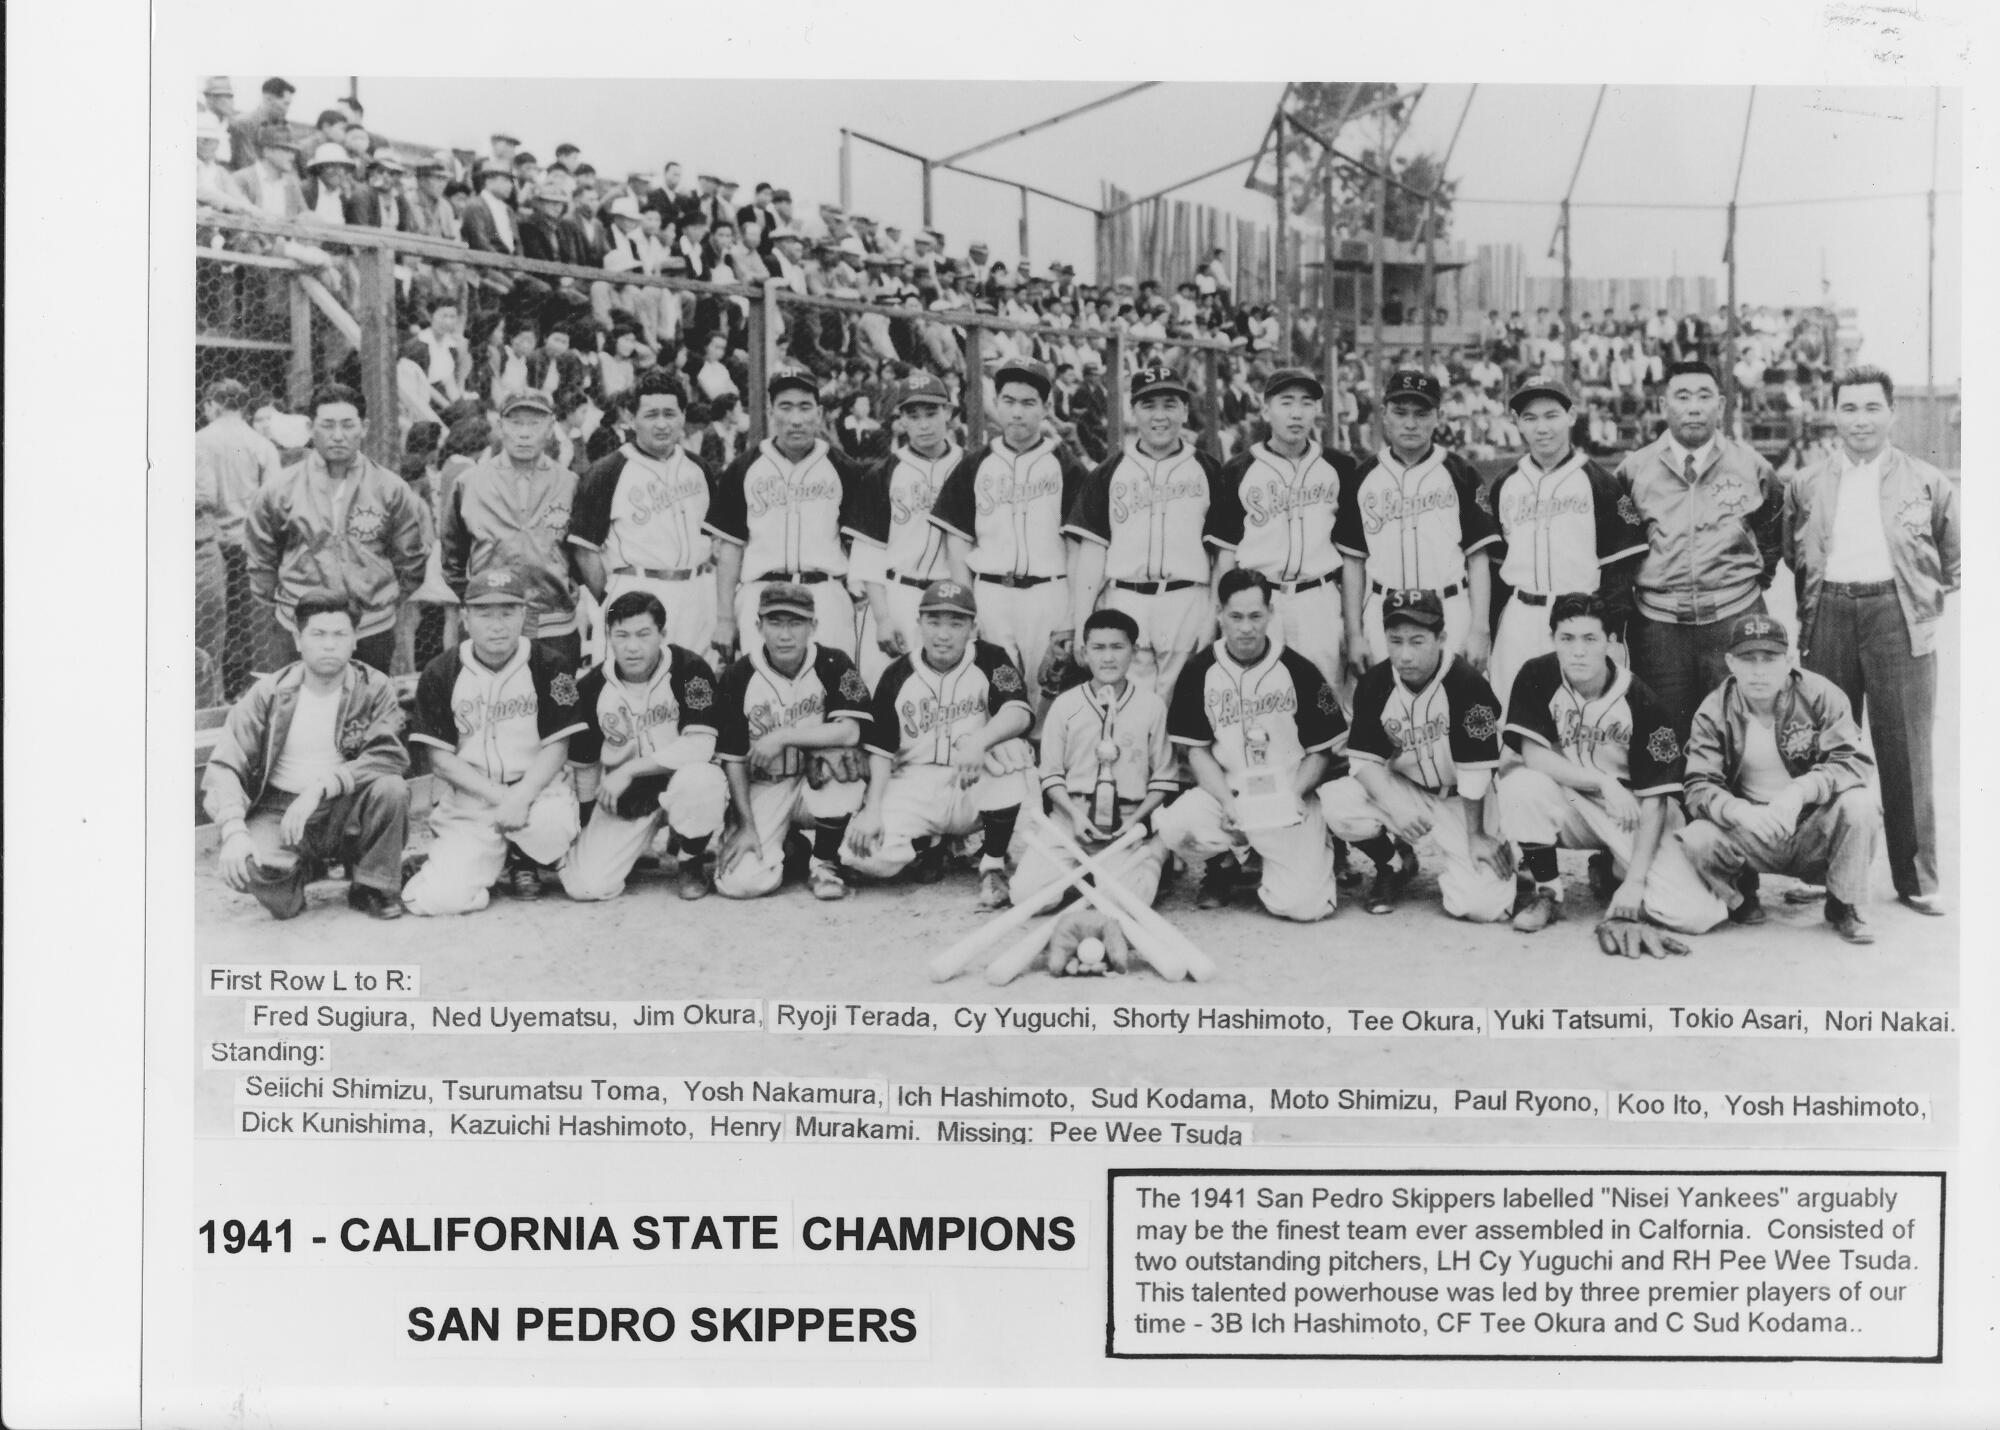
<point x="1264" y="798"/>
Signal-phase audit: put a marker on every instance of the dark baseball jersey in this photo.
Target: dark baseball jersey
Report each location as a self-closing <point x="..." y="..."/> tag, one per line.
<point x="1278" y="515"/>
<point x="917" y="712"/>
<point x="629" y="720"/>
<point x="1153" y="516"/>
<point x="789" y="516"/>
<point x="757" y="698"/>
<point x="1280" y="702"/>
<point x="496" y="720"/>
<point x="644" y="513"/>
<point x="1444" y="736"/>
<point x="1010" y="505"/>
<point x="1559" y="528"/>
<point x="1083" y="717"/>
<point x="899" y="518"/>
<point x="1414" y="526"/>
<point x="1624" y="732"/>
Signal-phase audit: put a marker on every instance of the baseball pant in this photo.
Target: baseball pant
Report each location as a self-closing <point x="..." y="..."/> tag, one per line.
<point x="365" y="830"/>
<point x="924" y="801"/>
<point x="1471" y="891"/>
<point x="690" y="606"/>
<point x="833" y="608"/>
<point x="468" y="853"/>
<point x="1172" y="626"/>
<point x="1309" y="623"/>
<point x="1523" y="635"/>
<point x="1681" y="663"/>
<point x="776" y="808"/>
<point x="1298" y="863"/>
<point x="1833" y="845"/>
<point x="1022" y="620"/>
<point x="1534" y="809"/>
<point x="1861" y="644"/>
<point x="691" y="800"/>
<point x="1457" y="621"/>
<point x="1137" y="869"/>
<point x="871" y="658"/>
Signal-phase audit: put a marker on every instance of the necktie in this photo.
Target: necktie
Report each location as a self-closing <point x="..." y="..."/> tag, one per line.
<point x="1691" y="473"/>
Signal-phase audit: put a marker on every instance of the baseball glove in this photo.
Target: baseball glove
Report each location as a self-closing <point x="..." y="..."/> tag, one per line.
<point x="1632" y="938"/>
<point x="1049" y="678"/>
<point x="1010" y="757"/>
<point x="832" y="767"/>
<point x="1073" y="928"/>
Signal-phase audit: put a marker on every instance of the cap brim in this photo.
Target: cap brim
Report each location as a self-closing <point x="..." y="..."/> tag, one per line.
<point x="1775" y="647"/>
<point x="1168" y="389"/>
<point x="788" y="608"/>
<point x="1301" y="384"/>
<point x="1529" y="394"/>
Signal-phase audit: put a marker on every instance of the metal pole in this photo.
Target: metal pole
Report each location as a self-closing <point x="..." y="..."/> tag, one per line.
<point x="1284" y="347"/>
<point x="1211" y="404"/>
<point x="299" y="374"/>
<point x="1729" y="393"/>
<point x="764" y="323"/>
<point x="1569" y="320"/>
<point x="1930" y="272"/>
<point x="1114" y="388"/>
<point x="1430" y="275"/>
<point x="929" y="222"/>
<point x="846" y="171"/>
<point x="1330" y="314"/>
<point x="1381" y="239"/>
<point x="975" y="388"/>
<point x="1046" y="123"/>
<point x="1024" y="224"/>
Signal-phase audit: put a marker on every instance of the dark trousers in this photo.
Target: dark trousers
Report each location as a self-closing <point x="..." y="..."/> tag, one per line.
<point x="1860" y="642"/>
<point x="1680" y="663"/>
<point x="365" y="830"/>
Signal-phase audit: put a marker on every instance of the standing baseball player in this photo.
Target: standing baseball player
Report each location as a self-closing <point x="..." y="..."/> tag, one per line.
<point x="1142" y="523"/>
<point x="1261" y="729"/>
<point x="1106" y="761"/>
<point x="791" y="715"/>
<point x="1565" y="525"/>
<point x="1277" y="509"/>
<point x="1601" y="768"/>
<point x="649" y="725"/>
<point x="1002" y="510"/>
<point x="780" y="511"/>
<point x="641" y="514"/>
<point x="1412" y="521"/>
<point x="945" y="753"/>
<point x="905" y="543"/>
<point x="498" y="719"/>
<point x="1425" y="744"/>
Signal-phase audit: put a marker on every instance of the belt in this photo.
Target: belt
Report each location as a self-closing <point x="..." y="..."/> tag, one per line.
<point x="901" y="579"/>
<point x="1292" y="588"/>
<point x="803" y="578"/>
<point x="1154" y="588"/>
<point x="1015" y="581"/>
<point x="1444" y="593"/>
<point x="650" y="574"/>
<point x="1859" y="588"/>
<point x="1531" y="598"/>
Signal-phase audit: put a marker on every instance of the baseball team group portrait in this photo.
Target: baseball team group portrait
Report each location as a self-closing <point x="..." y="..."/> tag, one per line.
<point x="628" y="578"/>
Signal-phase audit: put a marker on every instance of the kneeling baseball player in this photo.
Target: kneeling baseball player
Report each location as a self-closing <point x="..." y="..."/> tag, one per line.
<point x="945" y="753"/>
<point x="1600" y="767"/>
<point x="1106" y="762"/>
<point x="791" y="719"/>
<point x="649" y="723"/>
<point x="1425" y="744"/>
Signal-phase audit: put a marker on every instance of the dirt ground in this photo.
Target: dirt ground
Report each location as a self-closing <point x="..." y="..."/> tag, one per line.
<point x="874" y="947"/>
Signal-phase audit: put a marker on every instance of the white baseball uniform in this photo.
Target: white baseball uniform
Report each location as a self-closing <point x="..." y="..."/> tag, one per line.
<point x="790" y="518"/>
<point x="646" y="518"/>
<point x="1278" y="515"/>
<point x="1416" y="527"/>
<point x="911" y="553"/>
<point x="1281" y="708"/>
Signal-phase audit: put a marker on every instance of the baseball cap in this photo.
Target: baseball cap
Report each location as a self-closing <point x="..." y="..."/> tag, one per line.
<point x="947" y="595"/>
<point x="1035" y="374"/>
<point x="532" y="397"/>
<point x="1416" y="608"/>
<point x="923" y="386"/>
<point x="496" y="586"/>
<point x="1539" y="387"/>
<point x="786" y="596"/>
<point x="505" y="139"/>
<point x="1410" y="384"/>
<point x="1148" y="381"/>
<point x="791" y="375"/>
<point x="1756" y="631"/>
<point x="1286" y="377"/>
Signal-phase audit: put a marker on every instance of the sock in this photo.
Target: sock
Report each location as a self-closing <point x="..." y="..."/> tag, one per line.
<point x="1540" y="862"/>
<point x="1381" y="848"/>
<point x="997" y="825"/>
<point x="827" y="835"/>
<point x="693" y="849"/>
<point x="1340" y="853"/>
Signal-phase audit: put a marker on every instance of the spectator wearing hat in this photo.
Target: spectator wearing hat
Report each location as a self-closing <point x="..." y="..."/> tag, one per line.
<point x="1413" y="521"/>
<point x="214" y="186"/>
<point x="1777" y="783"/>
<point x="1713" y="513"/>
<point x="1144" y="524"/>
<point x="633" y="250"/>
<point x="247" y="130"/>
<point x="527" y="174"/>
<point x="338" y="522"/>
<point x="1565" y="524"/>
<point x="543" y="232"/>
<point x="232" y="463"/>
<point x="497" y="718"/>
<point x="489" y="222"/>
<point x="946" y="755"/>
<point x="378" y="203"/>
<point x="329" y="184"/>
<point x="512" y="512"/>
<point x="1872" y="536"/>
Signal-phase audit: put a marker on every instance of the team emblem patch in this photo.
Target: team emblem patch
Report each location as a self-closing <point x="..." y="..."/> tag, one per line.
<point x="1915" y="514"/>
<point x="1662" y="745"/>
<point x="700" y="695"/>
<point x="1733" y="497"/>
<point x="1481" y="721"/>
<point x="1628" y="510"/>
<point x="557" y="519"/>
<point x="354" y="736"/>
<point x="365" y="522"/>
<point x="1798" y="740"/>
<point x="1328" y="703"/>
<point x="562" y="689"/>
<point x="1007" y="680"/>
<point x="852" y="685"/>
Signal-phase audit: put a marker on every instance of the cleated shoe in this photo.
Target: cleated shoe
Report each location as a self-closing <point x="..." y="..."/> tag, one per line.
<point x="1848" y="921"/>
<point x="376" y="903"/>
<point x="993" y="890"/>
<point x="826" y="883"/>
<point x="1542" y="910"/>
